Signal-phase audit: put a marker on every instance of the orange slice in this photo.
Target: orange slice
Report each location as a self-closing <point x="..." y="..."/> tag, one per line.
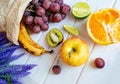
<point x="103" y="26"/>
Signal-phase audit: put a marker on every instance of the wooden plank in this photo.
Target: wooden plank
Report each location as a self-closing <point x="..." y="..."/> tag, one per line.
<point x="43" y="74"/>
<point x="91" y="75"/>
<point x="23" y="59"/>
<point x="45" y="61"/>
<point x="110" y="73"/>
<point x="70" y="74"/>
<point x="117" y="5"/>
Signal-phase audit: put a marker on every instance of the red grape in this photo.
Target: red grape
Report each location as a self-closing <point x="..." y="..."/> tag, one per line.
<point x="56" y="69"/>
<point x="47" y="23"/>
<point x="65" y="9"/>
<point x="60" y="2"/>
<point x="40" y="11"/>
<point x="36" y="29"/>
<point x="52" y="0"/>
<point x="28" y="20"/>
<point x="38" y="20"/>
<point x="37" y="5"/>
<point x="27" y="13"/>
<point x="46" y="4"/>
<point x="45" y="18"/>
<point x="51" y="18"/>
<point x="99" y="63"/>
<point x="57" y="17"/>
<point x="41" y="1"/>
<point x="63" y="16"/>
<point x="54" y="7"/>
<point x="44" y="27"/>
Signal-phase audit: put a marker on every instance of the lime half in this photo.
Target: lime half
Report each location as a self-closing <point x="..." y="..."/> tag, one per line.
<point x="71" y="30"/>
<point x="81" y="10"/>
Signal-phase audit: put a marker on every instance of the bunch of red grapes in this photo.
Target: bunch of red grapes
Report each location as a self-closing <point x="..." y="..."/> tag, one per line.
<point x="39" y="13"/>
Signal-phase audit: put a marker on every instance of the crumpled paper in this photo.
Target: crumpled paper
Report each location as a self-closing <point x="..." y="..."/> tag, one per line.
<point x="11" y="12"/>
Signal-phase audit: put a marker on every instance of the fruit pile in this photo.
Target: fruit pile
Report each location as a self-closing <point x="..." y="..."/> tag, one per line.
<point x="39" y="13"/>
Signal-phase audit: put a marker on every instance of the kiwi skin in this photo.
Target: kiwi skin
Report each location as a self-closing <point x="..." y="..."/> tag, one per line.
<point x="58" y="33"/>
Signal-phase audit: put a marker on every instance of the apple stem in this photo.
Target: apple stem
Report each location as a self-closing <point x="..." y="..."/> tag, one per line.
<point x="69" y="54"/>
<point x="73" y="50"/>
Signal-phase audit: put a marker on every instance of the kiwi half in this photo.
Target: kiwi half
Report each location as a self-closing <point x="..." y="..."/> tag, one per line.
<point x="54" y="37"/>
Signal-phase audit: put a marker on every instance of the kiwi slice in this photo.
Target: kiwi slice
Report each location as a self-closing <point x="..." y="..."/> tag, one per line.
<point x="54" y="37"/>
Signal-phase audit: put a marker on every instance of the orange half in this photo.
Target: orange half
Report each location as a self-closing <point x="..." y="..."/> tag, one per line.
<point x="103" y="26"/>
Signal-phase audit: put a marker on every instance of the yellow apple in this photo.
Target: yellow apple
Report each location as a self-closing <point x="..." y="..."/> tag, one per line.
<point x="74" y="51"/>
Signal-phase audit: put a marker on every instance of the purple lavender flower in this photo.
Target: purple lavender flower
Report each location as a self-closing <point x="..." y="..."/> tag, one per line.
<point x="15" y="82"/>
<point x="5" y="55"/>
<point x="14" y="72"/>
<point x="16" y="69"/>
<point x="6" y="48"/>
<point x="14" y="58"/>
<point x="3" y="81"/>
<point x="4" y="41"/>
<point x="2" y="35"/>
<point x="10" y="74"/>
<point x="9" y="59"/>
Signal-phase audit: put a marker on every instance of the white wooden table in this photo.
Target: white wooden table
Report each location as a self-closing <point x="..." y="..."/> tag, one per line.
<point x="86" y="74"/>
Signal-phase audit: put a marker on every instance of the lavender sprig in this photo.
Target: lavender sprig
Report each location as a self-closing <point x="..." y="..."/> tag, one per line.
<point x="14" y="72"/>
<point x="14" y="58"/>
<point x="2" y="36"/>
<point x="3" y="81"/>
<point x="17" y="76"/>
<point x="6" y="44"/>
<point x="10" y="59"/>
<point x="5" y="49"/>
<point x="15" y="81"/>
<point x="4" y="41"/>
<point x="6" y="54"/>
<point x="10" y="74"/>
<point x="16" y="69"/>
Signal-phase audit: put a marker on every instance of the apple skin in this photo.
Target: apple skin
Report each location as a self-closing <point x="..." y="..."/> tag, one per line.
<point x="74" y="51"/>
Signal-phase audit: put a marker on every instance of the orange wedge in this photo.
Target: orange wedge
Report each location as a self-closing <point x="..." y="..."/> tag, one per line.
<point x="103" y="26"/>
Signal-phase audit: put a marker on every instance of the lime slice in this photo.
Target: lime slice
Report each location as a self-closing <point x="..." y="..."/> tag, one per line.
<point x="71" y="30"/>
<point x="81" y="10"/>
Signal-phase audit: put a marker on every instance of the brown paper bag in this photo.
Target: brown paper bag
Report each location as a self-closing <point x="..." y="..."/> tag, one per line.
<point x="11" y="12"/>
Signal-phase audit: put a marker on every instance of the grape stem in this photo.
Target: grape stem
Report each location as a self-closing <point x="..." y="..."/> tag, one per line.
<point x="30" y="10"/>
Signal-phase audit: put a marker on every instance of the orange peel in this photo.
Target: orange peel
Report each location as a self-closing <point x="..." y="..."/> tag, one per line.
<point x="103" y="26"/>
